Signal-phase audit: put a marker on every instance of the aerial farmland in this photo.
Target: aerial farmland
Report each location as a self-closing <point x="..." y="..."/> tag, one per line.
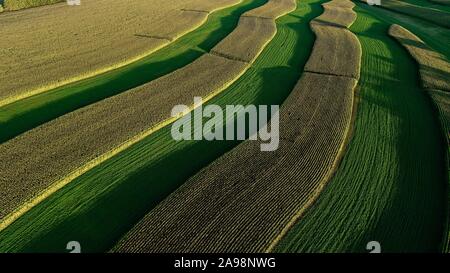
<point x="224" y="126"/>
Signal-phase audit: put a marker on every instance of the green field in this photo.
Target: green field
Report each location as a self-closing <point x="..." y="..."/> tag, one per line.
<point x="100" y="206"/>
<point x="391" y="184"/>
<point x="31" y="112"/>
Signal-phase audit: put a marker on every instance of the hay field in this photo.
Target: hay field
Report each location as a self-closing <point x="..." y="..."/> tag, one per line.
<point x="252" y="32"/>
<point x="275" y="9"/>
<point x="99" y="39"/>
<point x="126" y="187"/>
<point x="72" y="144"/>
<point x="390" y="186"/>
<point x="25" y="114"/>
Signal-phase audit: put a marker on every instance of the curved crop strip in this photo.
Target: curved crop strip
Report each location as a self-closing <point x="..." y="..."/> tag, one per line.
<point x="334" y="42"/>
<point x="431" y="15"/>
<point x="390" y="185"/>
<point x="434" y="69"/>
<point x="273" y="10"/>
<point x="110" y="41"/>
<point x="251" y="32"/>
<point x="67" y="147"/>
<point x="435" y="76"/>
<point x="104" y="203"/>
<point x="23" y="115"/>
<point x="227" y="208"/>
<point x="337" y="13"/>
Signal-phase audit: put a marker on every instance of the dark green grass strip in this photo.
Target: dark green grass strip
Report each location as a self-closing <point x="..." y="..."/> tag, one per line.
<point x="28" y="113"/>
<point x="390" y="186"/>
<point x="99" y="207"/>
<point x="433" y="35"/>
<point x="428" y="4"/>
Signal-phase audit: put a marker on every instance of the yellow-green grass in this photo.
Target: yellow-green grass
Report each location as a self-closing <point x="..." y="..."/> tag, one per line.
<point x="435" y="16"/>
<point x="435" y="76"/>
<point x="23" y="4"/>
<point x="25" y="114"/>
<point x="71" y="43"/>
<point x="100" y="206"/>
<point x="67" y="147"/>
<point x="390" y="186"/>
<point x="228" y="208"/>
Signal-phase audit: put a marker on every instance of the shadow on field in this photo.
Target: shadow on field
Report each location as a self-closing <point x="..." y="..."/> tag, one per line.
<point x="412" y="220"/>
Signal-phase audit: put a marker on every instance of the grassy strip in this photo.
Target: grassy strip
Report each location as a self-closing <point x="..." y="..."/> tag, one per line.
<point x="23" y="4"/>
<point x="431" y="15"/>
<point x="31" y="112"/>
<point x="432" y="4"/>
<point x="433" y="35"/>
<point x="100" y="206"/>
<point x="390" y="186"/>
<point x="435" y="76"/>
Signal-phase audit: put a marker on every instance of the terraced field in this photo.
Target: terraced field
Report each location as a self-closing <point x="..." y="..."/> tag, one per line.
<point x="25" y="114"/>
<point x="396" y="194"/>
<point x="289" y="39"/>
<point x="29" y="53"/>
<point x="87" y="150"/>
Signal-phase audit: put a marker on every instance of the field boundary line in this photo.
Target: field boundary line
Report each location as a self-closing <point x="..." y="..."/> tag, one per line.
<point x="45" y="88"/>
